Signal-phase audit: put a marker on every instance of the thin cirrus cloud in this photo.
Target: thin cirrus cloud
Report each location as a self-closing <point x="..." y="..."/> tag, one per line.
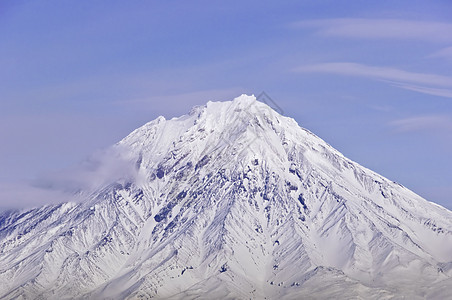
<point x="426" y="90"/>
<point x="445" y="53"/>
<point x="380" y="29"/>
<point x="101" y="169"/>
<point x="426" y="122"/>
<point x="418" y="82"/>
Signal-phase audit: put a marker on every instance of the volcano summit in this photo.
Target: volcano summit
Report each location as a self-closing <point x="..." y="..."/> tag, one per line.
<point x="232" y="201"/>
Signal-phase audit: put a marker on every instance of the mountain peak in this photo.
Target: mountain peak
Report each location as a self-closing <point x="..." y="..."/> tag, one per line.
<point x="233" y="201"/>
<point x="242" y="101"/>
<point x="245" y="105"/>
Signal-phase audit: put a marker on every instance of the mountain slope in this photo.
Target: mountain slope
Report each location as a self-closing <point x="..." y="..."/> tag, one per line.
<point x="231" y="201"/>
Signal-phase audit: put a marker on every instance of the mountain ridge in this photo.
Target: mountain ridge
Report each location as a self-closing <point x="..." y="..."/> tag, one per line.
<point x="232" y="200"/>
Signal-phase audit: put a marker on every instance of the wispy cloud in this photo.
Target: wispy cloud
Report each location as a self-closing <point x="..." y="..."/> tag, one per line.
<point x="426" y="90"/>
<point x="418" y="82"/>
<point x="380" y="29"/>
<point x="426" y="122"/>
<point x="110" y="165"/>
<point x="22" y="195"/>
<point x="445" y="53"/>
<point x="115" y="164"/>
<point x="384" y="73"/>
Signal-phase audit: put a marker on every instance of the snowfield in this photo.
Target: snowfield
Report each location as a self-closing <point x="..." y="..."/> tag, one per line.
<point x="232" y="201"/>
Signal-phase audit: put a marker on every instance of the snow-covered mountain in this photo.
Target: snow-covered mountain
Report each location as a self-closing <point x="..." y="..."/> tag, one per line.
<point x="232" y="201"/>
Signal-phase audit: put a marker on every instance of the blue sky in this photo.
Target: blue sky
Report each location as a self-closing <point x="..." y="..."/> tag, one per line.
<point x="373" y="80"/>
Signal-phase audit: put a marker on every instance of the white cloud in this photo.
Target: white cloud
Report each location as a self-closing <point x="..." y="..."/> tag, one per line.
<point x="115" y="164"/>
<point x="384" y="73"/>
<point x="426" y="90"/>
<point x="19" y="195"/>
<point x="403" y="79"/>
<point x="100" y="169"/>
<point x="427" y="122"/>
<point x="445" y="53"/>
<point x="381" y="29"/>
